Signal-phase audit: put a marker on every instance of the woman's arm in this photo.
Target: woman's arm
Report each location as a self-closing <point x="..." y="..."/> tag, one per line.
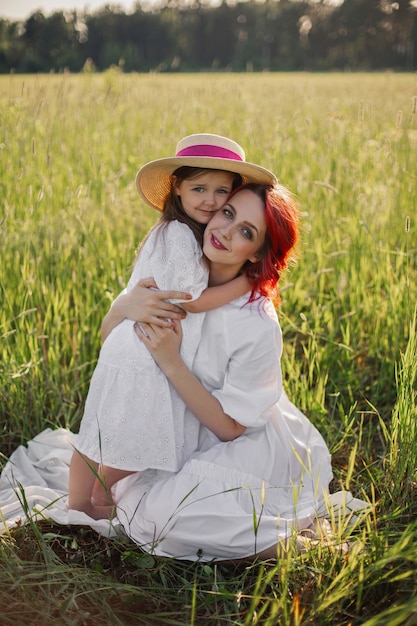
<point x="215" y="297"/>
<point x="144" y="305"/>
<point x="164" y="345"/>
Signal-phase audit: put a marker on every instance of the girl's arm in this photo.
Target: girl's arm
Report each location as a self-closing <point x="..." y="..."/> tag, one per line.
<point x="164" y="345"/>
<point x="144" y="305"/>
<point x="215" y="297"/>
<point x="151" y="305"/>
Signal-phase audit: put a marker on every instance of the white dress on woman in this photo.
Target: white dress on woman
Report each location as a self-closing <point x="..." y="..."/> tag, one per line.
<point x="229" y="500"/>
<point x="133" y="419"/>
<point x="233" y="499"/>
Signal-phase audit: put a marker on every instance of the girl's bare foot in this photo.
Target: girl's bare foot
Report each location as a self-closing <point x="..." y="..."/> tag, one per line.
<point x="99" y="512"/>
<point x="102" y="512"/>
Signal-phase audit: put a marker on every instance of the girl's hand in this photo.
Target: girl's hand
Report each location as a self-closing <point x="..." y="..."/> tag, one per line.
<point x="163" y="343"/>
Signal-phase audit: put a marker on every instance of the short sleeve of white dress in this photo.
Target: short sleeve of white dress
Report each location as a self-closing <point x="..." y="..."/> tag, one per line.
<point x="172" y="256"/>
<point x="253" y="380"/>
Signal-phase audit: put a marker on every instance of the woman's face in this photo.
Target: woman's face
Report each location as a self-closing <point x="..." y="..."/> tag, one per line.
<point x="237" y="231"/>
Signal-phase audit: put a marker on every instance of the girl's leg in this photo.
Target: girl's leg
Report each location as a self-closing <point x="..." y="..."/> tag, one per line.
<point x="82" y="476"/>
<point x="107" y="477"/>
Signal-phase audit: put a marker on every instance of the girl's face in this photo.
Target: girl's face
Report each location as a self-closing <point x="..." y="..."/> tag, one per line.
<point x="236" y="233"/>
<point x="204" y="194"/>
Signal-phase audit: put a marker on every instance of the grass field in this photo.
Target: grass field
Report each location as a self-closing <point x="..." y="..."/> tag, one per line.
<point x="70" y="223"/>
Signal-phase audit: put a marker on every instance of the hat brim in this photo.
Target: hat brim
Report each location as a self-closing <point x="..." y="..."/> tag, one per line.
<point x="153" y="180"/>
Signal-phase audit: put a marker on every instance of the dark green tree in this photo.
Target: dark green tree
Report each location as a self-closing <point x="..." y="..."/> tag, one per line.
<point x="11" y="48"/>
<point x="50" y="43"/>
<point x="179" y="35"/>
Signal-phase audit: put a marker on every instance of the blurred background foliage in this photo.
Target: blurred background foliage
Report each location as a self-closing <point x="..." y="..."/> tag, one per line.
<point x="189" y="36"/>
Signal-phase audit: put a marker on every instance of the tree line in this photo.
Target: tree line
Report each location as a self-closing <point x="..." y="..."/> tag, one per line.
<point x="188" y="36"/>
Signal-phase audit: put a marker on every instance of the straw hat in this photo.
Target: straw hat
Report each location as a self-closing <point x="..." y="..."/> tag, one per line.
<point x="153" y="180"/>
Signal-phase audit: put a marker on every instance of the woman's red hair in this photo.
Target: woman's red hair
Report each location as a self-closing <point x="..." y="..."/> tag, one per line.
<point x="282" y="229"/>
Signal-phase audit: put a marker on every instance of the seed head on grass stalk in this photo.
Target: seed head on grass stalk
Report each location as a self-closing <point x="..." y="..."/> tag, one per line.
<point x="401" y="462"/>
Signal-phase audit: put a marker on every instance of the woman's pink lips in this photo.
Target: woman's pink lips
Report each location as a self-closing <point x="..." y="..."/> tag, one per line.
<point x="216" y="243"/>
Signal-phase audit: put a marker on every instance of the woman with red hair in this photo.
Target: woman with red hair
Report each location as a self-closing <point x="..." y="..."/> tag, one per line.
<point x="261" y="471"/>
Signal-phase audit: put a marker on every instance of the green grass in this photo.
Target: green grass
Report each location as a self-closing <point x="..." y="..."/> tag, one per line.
<point x="69" y="226"/>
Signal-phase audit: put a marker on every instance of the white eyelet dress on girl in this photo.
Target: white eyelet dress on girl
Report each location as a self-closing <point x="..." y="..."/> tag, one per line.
<point x="133" y="418"/>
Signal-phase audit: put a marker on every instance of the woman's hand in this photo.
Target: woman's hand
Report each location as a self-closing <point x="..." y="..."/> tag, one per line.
<point x="144" y="303"/>
<point x="163" y="343"/>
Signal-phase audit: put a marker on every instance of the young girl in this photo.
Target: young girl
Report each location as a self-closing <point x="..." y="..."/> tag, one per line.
<point x="133" y="419"/>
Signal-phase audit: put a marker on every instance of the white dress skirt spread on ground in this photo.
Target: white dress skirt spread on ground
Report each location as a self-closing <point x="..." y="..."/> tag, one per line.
<point x="230" y="499"/>
<point x="133" y="418"/>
